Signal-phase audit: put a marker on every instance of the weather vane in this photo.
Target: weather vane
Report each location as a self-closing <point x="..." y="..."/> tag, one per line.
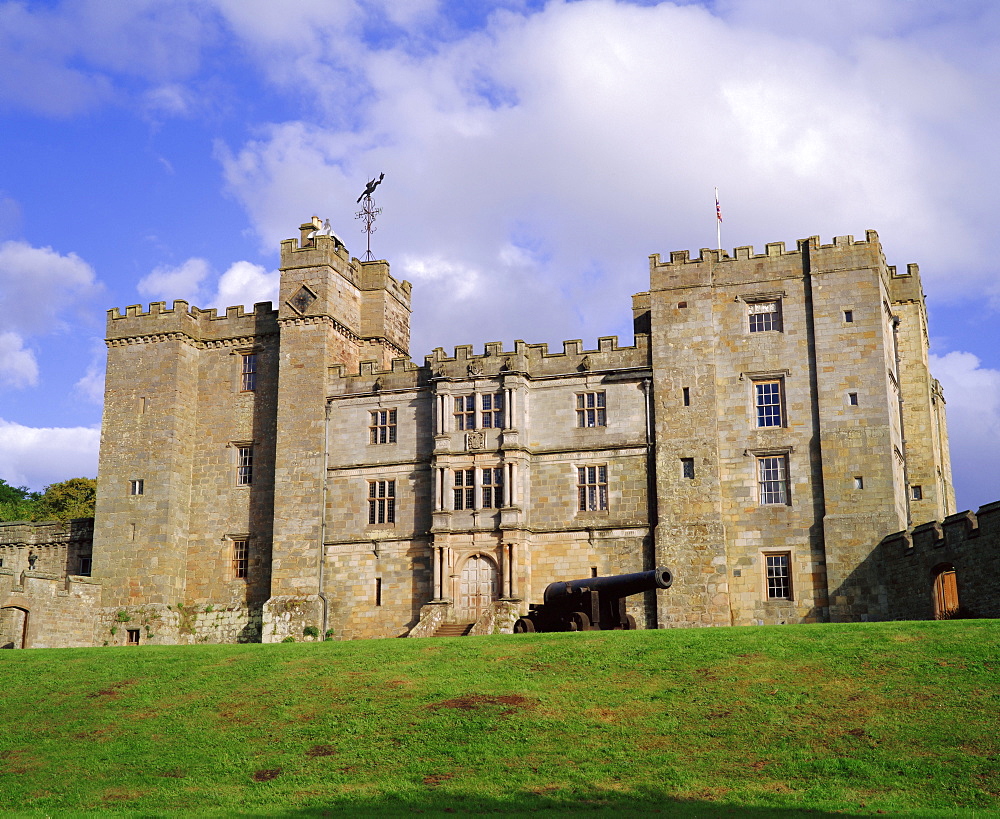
<point x="368" y="212"/>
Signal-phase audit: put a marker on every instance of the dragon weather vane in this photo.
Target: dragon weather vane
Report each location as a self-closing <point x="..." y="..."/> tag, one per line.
<point x="368" y="212"/>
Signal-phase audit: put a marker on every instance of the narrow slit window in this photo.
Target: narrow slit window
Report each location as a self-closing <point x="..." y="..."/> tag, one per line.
<point x="686" y="396"/>
<point x="687" y="467"/>
<point x="135" y="487"/>
<point x="848" y="316"/>
<point x="378" y="591"/>
<point x="852" y="399"/>
<point x="859" y="482"/>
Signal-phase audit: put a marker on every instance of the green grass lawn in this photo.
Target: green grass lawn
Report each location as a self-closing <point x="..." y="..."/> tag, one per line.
<point x="889" y="718"/>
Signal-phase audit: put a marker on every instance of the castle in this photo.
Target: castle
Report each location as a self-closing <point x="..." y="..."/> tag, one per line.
<point x="290" y="472"/>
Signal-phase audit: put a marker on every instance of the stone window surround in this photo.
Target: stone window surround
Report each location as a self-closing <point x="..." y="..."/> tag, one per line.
<point x="136" y="487"/>
<point x="782" y="488"/>
<point x="248" y="360"/>
<point x="382" y="426"/>
<point x="381" y="498"/>
<point x="243" y="472"/>
<point x="592" y="488"/>
<point x="239" y="553"/>
<point x="591" y="409"/>
<point x="777" y="575"/>
<point x="777" y="298"/>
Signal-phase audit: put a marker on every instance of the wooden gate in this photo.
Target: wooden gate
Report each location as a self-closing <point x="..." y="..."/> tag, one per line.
<point x="477" y="587"/>
<point x="945" y="593"/>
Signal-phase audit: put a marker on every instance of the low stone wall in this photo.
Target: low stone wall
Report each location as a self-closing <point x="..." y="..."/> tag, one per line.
<point x="498" y="618"/>
<point x="966" y="541"/>
<point x="41" y="610"/>
<point x="177" y="625"/>
<point x="287" y="616"/>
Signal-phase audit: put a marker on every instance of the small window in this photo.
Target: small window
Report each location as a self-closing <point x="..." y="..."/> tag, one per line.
<point x="240" y="559"/>
<point x="86" y="565"/>
<point x="767" y="397"/>
<point x="852" y="399"/>
<point x="687" y="467"/>
<point x="465" y="489"/>
<point x="778" y="576"/>
<point x="465" y="412"/>
<point x="493" y="487"/>
<point x="244" y="465"/>
<point x="848" y="316"/>
<point x="592" y="488"/>
<point x="593" y="571"/>
<point x="1" y="562"/>
<point x="591" y="410"/>
<point x="681" y="305"/>
<point x="132" y="636"/>
<point x="772" y="479"/>
<point x="382" y="429"/>
<point x="381" y="502"/>
<point x="135" y="487"/>
<point x="248" y="372"/>
<point x="917" y="492"/>
<point x="764" y="316"/>
<point x="686" y="396"/>
<point x="859" y="482"/>
<point x="378" y="591"/>
<point x="492" y="414"/>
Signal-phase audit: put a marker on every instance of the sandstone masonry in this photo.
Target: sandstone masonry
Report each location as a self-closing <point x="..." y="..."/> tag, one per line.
<point x="290" y="472"/>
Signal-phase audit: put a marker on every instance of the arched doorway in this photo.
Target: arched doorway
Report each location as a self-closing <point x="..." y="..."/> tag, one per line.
<point x="477" y="587"/>
<point x="945" y="592"/>
<point x="13" y="627"/>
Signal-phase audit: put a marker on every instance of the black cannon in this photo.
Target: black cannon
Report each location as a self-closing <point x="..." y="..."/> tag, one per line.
<point x="594" y="603"/>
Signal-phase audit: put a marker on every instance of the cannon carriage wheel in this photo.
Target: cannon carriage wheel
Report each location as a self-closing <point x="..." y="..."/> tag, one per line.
<point x="579" y="621"/>
<point x="629" y="624"/>
<point x="524" y="626"/>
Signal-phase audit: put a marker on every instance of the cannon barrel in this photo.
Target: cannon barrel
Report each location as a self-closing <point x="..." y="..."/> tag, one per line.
<point x="621" y="585"/>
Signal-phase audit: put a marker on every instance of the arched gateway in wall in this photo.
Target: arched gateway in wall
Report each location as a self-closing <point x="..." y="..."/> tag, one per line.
<point x="13" y="627"/>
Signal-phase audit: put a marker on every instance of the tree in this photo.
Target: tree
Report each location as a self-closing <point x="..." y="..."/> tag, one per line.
<point x="66" y="500"/>
<point x="16" y="502"/>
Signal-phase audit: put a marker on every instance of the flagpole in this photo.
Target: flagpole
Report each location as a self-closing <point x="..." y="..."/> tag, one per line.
<point x="718" y="221"/>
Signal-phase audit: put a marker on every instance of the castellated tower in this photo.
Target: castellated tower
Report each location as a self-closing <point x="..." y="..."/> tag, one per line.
<point x="212" y="455"/>
<point x="334" y="310"/>
<point x="780" y="418"/>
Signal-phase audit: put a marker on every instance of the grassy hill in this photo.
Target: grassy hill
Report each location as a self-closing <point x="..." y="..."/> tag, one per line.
<point x="871" y="718"/>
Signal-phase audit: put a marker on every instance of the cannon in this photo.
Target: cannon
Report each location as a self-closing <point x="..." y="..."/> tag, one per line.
<point x="591" y="604"/>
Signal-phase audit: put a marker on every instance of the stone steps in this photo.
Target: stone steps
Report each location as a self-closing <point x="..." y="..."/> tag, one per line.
<point x="453" y="629"/>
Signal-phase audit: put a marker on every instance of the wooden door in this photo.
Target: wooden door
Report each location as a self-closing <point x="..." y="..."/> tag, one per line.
<point x="477" y="587"/>
<point x="945" y="594"/>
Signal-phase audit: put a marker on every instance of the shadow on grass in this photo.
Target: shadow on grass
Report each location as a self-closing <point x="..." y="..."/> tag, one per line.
<point x="607" y="804"/>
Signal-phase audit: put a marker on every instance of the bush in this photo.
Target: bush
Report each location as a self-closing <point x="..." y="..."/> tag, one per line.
<point x="310" y="631"/>
<point x="289" y="639"/>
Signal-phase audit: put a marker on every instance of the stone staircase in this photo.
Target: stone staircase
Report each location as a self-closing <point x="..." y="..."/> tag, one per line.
<point x="453" y="629"/>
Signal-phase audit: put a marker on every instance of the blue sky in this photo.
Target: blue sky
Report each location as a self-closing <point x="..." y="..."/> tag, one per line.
<point x="535" y="154"/>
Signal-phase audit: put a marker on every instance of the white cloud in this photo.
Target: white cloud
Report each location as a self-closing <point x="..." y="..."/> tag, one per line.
<point x="18" y="367"/>
<point x="38" y="456"/>
<point x="194" y="281"/>
<point x="185" y="281"/>
<point x="972" y="393"/>
<point x="246" y="284"/>
<point x="90" y="386"/>
<point x="39" y="286"/>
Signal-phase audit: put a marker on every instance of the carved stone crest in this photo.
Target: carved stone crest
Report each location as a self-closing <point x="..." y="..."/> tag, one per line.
<point x="475" y="440"/>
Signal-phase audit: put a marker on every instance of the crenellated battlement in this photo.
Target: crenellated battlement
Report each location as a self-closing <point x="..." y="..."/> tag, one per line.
<point x="531" y="360"/>
<point x="715" y="266"/>
<point x="195" y="323"/>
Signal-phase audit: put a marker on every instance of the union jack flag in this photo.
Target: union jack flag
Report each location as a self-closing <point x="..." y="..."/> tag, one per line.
<point x="718" y="209"/>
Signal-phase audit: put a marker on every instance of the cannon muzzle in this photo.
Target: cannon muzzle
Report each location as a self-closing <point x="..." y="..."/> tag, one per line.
<point x="620" y="585"/>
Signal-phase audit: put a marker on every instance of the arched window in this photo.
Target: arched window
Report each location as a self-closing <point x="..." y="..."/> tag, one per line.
<point x="945" y="592"/>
